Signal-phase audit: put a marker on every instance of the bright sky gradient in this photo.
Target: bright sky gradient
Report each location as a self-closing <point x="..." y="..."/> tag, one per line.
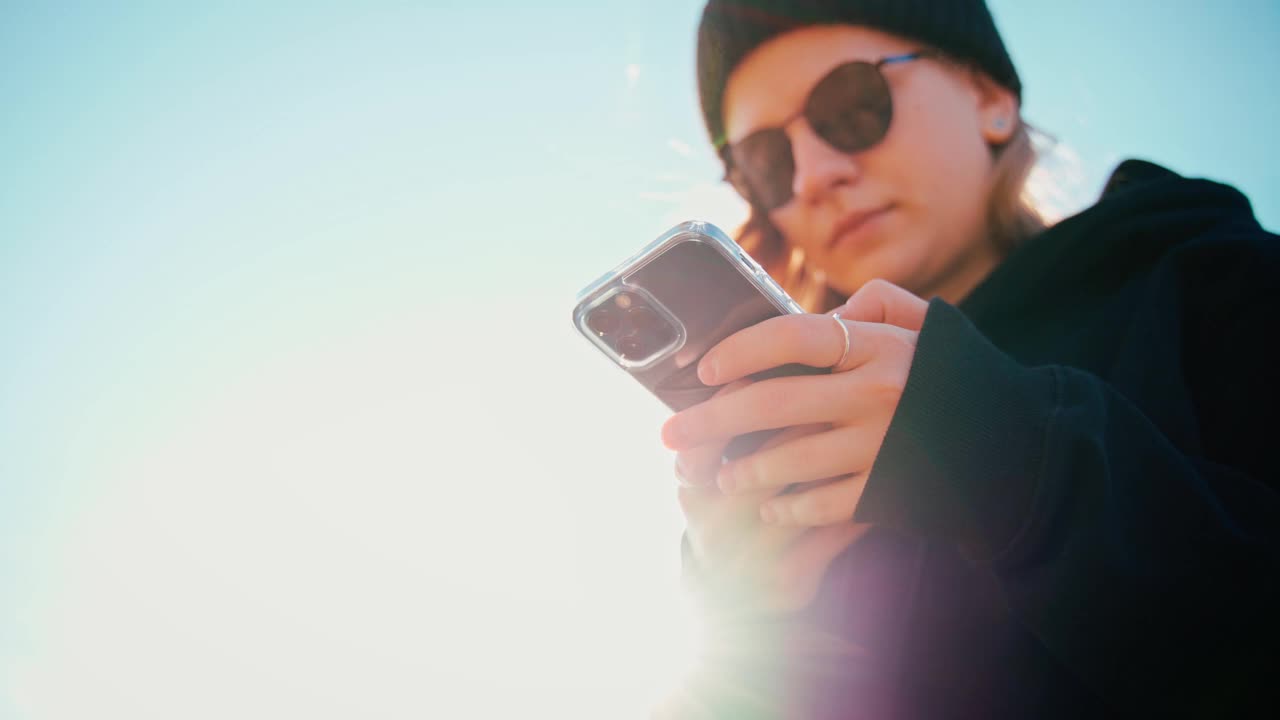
<point x="292" y="419"/>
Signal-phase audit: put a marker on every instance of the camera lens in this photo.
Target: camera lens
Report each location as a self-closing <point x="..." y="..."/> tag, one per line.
<point x="644" y="319"/>
<point x="641" y="344"/>
<point x="636" y="330"/>
<point x="602" y="321"/>
<point x="633" y="347"/>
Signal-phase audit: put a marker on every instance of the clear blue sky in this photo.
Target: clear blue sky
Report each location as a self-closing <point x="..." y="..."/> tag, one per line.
<point x="284" y="292"/>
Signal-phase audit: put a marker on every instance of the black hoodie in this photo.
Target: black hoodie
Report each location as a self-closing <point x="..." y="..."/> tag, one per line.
<point x="1077" y="502"/>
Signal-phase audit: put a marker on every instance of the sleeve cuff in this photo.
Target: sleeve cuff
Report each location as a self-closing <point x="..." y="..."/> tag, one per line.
<point x="962" y="459"/>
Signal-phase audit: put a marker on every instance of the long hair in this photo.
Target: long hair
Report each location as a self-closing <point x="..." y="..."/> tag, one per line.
<point x="1011" y="218"/>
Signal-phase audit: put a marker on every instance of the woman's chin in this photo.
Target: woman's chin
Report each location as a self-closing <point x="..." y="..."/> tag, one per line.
<point x="848" y="278"/>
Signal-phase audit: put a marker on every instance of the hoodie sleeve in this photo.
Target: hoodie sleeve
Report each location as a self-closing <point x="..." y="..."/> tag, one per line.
<point x="1147" y="571"/>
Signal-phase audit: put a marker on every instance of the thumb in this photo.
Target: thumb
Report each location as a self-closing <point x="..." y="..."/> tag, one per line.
<point x="880" y="301"/>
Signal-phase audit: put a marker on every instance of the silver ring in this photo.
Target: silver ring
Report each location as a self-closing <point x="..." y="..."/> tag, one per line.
<point x="843" y="331"/>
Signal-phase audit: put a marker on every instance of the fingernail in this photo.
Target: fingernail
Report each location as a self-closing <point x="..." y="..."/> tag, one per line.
<point x="707" y="370"/>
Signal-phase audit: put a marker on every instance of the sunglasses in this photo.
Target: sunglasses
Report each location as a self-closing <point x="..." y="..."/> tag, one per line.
<point x="850" y="109"/>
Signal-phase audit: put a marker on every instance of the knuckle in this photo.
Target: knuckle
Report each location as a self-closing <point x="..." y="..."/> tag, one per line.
<point x="885" y="386"/>
<point x="696" y="468"/>
<point x="903" y="341"/>
<point x="872" y="296"/>
<point x="878" y="287"/>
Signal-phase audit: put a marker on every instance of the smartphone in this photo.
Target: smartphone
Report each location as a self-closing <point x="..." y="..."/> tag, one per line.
<point x="659" y="312"/>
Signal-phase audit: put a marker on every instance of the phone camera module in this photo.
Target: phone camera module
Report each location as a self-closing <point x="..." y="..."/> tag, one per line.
<point x="645" y="319"/>
<point x="603" y="320"/>
<point x="632" y="347"/>
<point x="632" y="327"/>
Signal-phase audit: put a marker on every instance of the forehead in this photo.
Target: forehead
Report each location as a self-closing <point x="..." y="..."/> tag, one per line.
<point x="772" y="81"/>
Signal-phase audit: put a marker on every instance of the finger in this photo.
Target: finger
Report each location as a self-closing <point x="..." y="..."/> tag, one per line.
<point x="708" y="512"/>
<point x="842" y="451"/>
<point x="769" y="405"/>
<point x="697" y="499"/>
<point x="713" y="517"/>
<point x="726" y="534"/>
<point x="880" y="301"/>
<point x="825" y="504"/>
<point x="783" y="437"/>
<point x="697" y="467"/>
<point x="813" y="340"/>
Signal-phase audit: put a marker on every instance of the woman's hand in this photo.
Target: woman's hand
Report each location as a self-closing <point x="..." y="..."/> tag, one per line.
<point x="853" y="405"/>
<point x="771" y="568"/>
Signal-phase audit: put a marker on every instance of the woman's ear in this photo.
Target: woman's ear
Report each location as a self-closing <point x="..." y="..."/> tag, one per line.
<point x="997" y="110"/>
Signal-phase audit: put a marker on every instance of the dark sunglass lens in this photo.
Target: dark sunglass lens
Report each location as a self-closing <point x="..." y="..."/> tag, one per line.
<point x="851" y="107"/>
<point x="764" y="162"/>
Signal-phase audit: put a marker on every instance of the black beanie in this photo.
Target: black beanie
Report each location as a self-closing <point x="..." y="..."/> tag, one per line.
<point x="730" y="29"/>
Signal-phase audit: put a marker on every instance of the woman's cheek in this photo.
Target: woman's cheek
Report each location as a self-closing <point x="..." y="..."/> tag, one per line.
<point x="796" y="225"/>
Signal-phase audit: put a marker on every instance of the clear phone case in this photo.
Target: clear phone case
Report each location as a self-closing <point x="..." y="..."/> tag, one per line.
<point x="659" y="312"/>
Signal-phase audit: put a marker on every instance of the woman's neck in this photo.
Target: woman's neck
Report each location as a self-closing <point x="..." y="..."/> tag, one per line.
<point x="966" y="274"/>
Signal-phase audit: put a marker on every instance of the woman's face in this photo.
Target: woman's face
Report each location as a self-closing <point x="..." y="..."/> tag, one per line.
<point x="911" y="209"/>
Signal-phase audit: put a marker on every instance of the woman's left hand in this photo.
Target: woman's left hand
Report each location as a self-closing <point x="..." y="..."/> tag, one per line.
<point x="858" y="399"/>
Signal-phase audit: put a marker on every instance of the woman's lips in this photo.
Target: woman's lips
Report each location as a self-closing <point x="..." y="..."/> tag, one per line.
<point x="852" y="225"/>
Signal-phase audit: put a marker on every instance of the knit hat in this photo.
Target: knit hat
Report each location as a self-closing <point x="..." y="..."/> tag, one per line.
<point x="730" y="29"/>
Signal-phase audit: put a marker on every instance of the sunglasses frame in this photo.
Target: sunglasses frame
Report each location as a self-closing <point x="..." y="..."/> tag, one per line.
<point x="742" y="183"/>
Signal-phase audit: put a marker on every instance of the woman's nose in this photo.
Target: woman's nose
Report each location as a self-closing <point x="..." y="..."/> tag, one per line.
<point x="819" y="167"/>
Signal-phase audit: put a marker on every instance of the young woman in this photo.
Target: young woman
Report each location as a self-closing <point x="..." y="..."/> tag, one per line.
<point x="1038" y="480"/>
